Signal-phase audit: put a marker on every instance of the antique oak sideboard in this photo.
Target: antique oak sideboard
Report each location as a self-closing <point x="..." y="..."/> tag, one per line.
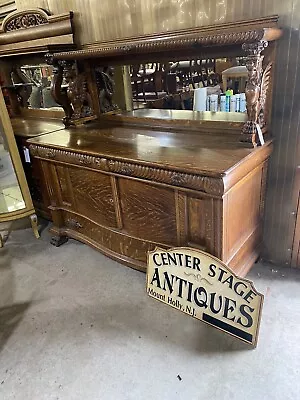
<point x="126" y="182"/>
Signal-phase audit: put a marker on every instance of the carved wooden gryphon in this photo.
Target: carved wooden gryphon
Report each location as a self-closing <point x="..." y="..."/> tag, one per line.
<point x="78" y="94"/>
<point x="70" y="89"/>
<point x="58" y="92"/>
<point x="257" y="88"/>
<point x="73" y="96"/>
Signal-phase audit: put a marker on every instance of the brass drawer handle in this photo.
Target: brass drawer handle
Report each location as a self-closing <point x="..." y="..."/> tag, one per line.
<point x="50" y="153"/>
<point x="85" y="160"/>
<point x="177" y="179"/>
<point x="73" y="224"/>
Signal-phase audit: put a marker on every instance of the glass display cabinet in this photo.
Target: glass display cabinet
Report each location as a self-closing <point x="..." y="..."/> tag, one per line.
<point x="15" y="199"/>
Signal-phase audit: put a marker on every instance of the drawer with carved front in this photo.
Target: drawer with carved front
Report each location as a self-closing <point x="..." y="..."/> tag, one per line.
<point x="110" y="241"/>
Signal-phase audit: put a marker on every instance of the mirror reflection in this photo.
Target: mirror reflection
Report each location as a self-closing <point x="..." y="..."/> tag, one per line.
<point x="11" y="198"/>
<point x="32" y="83"/>
<point x="206" y="85"/>
<point x="198" y="85"/>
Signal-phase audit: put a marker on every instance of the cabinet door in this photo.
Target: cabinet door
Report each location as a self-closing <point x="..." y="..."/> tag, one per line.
<point x="15" y="200"/>
<point x="148" y="211"/>
<point x="88" y="193"/>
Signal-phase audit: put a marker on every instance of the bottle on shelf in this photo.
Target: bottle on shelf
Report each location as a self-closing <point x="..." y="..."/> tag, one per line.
<point x="228" y="94"/>
<point x="243" y="107"/>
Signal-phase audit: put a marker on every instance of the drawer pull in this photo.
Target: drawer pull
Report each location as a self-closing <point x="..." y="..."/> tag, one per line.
<point x="85" y="160"/>
<point x="177" y="179"/>
<point x="50" y="153"/>
<point x="73" y="224"/>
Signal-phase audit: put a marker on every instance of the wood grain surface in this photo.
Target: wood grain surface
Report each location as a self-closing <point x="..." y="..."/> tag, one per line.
<point x="148" y="212"/>
<point x="206" y="154"/>
<point x="96" y="22"/>
<point x="93" y="196"/>
<point x="31" y="127"/>
<point x="126" y="191"/>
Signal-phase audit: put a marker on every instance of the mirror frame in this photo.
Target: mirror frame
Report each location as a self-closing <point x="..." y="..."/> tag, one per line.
<point x="90" y="69"/>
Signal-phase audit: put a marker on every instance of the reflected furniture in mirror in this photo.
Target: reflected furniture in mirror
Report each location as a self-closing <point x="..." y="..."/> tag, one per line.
<point x="15" y="199"/>
<point x="126" y="182"/>
<point x="239" y="73"/>
<point x="171" y="84"/>
<point x="25" y="77"/>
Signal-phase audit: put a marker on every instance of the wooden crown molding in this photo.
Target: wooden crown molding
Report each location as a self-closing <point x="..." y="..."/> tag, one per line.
<point x="35" y="31"/>
<point x="248" y="38"/>
<point x="214" y="35"/>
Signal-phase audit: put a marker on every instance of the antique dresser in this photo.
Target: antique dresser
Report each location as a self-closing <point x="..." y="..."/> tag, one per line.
<point x="125" y="182"/>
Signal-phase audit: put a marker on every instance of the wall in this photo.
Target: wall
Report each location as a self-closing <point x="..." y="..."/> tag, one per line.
<point x="107" y="19"/>
<point x="6" y="7"/>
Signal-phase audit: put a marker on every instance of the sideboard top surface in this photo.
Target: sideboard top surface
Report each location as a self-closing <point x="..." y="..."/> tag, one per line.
<point x="199" y="154"/>
<point x="31" y="127"/>
<point x="178" y="120"/>
<point x="185" y="115"/>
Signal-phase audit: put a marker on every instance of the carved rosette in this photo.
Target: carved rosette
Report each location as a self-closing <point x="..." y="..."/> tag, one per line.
<point x="211" y="185"/>
<point x="256" y="89"/>
<point x="73" y="224"/>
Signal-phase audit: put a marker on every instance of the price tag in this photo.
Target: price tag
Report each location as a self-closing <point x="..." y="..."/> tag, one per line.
<point x="26" y="154"/>
<point x="260" y="135"/>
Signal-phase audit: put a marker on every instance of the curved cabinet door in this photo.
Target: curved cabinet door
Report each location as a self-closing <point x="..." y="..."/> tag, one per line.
<point x="11" y="197"/>
<point x="15" y="199"/>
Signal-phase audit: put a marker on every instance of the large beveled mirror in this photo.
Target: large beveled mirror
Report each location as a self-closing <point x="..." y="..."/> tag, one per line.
<point x="15" y="199"/>
<point x="203" y="89"/>
<point x="172" y="85"/>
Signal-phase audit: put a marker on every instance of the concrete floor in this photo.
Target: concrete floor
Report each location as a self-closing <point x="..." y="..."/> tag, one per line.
<point x="75" y="325"/>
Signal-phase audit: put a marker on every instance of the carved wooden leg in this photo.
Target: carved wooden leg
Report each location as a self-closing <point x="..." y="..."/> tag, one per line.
<point x="34" y="225"/>
<point x="58" y="240"/>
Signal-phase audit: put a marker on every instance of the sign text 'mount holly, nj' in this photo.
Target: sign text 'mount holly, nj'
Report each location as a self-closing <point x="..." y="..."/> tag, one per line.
<point x="200" y="285"/>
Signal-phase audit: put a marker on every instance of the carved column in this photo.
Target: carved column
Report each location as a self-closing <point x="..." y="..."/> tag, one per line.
<point x="254" y="66"/>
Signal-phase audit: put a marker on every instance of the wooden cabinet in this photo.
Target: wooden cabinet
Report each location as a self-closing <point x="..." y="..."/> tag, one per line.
<point x="200" y="193"/>
<point x="126" y="183"/>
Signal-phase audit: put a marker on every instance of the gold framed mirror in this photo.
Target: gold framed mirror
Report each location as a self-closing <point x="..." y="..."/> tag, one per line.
<point x="15" y="199"/>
